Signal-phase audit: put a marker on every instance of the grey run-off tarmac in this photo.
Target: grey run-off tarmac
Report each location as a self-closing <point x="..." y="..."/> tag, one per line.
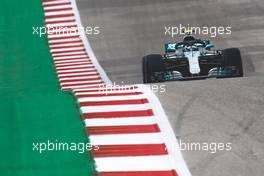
<point x="212" y="110"/>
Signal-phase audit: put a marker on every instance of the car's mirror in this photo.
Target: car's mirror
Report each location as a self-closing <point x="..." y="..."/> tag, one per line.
<point x="170" y="47"/>
<point x="209" y="46"/>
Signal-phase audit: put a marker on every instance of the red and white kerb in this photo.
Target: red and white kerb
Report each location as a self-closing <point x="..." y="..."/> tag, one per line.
<point x="128" y="125"/>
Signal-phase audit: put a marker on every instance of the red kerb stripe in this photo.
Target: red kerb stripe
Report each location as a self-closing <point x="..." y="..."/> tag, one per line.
<point x="118" y="114"/>
<point x="114" y="102"/>
<point x="101" y="89"/>
<point x="66" y="55"/>
<point x="74" y="64"/>
<point x="109" y="94"/>
<point x="63" y="37"/>
<point x="72" y="72"/>
<point x="59" y="16"/>
<point x="124" y="129"/>
<point x="62" y="43"/>
<point x="79" y="80"/>
<point x="81" y="84"/>
<point x="73" y="76"/>
<point x="71" y="60"/>
<point x="57" y="10"/>
<point x="71" y="46"/>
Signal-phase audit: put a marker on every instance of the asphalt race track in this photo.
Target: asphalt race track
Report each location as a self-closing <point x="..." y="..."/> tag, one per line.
<point x="212" y="110"/>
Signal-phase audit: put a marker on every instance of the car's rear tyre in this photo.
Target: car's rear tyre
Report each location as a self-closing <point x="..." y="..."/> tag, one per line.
<point x="232" y="57"/>
<point x="152" y="65"/>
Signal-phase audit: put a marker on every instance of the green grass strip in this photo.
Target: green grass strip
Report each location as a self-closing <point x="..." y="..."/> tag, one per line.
<point x="33" y="109"/>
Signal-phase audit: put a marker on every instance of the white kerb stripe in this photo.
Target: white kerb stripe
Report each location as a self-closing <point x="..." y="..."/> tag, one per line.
<point x="118" y="139"/>
<point x="139" y="163"/>
<point x="64" y="40"/>
<point x="67" y="49"/>
<point x="47" y="14"/>
<point x="67" y="44"/>
<point x="69" y="57"/>
<point x="74" y="66"/>
<point x="55" y="2"/>
<point x="61" y="24"/>
<point x="74" y="74"/>
<point x="127" y="97"/>
<point x="76" y="70"/>
<point x="59" y="19"/>
<point x="80" y="86"/>
<point x="64" y="58"/>
<point x="108" y="87"/>
<point x="73" y="62"/>
<point x="58" y="7"/>
<point x="119" y="121"/>
<point x="80" y="82"/>
<point x="69" y="53"/>
<point x="107" y="91"/>
<point x="111" y="108"/>
<point x="84" y="77"/>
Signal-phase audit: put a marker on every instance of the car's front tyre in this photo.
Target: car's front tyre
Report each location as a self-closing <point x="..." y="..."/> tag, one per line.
<point x="232" y="57"/>
<point x="153" y="68"/>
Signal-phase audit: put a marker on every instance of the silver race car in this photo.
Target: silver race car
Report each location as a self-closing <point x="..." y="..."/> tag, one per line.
<point x="192" y="59"/>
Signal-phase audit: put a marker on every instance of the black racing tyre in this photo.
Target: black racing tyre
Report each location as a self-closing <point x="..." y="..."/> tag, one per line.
<point x="232" y="57"/>
<point x="152" y="64"/>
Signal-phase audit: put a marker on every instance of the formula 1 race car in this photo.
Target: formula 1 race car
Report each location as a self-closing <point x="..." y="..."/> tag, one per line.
<point x="192" y="59"/>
